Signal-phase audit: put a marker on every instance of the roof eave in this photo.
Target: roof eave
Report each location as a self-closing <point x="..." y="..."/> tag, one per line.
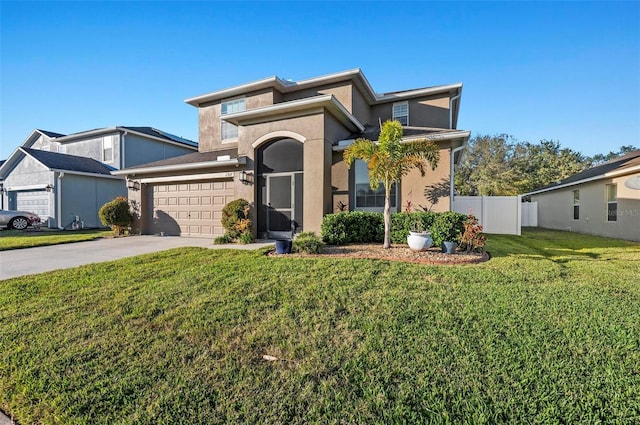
<point x="181" y="167"/>
<point x="327" y="101"/>
<point x="458" y="134"/>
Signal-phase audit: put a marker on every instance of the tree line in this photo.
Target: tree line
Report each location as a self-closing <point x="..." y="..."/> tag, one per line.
<point x="500" y="165"/>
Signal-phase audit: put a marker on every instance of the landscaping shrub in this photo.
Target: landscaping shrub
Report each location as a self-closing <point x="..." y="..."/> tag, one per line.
<point x="352" y="227"/>
<point x="402" y="223"/>
<point x="473" y="239"/>
<point x="221" y="240"/>
<point x="307" y="243"/>
<point x="116" y="214"/>
<point x="447" y="226"/>
<point x="235" y="220"/>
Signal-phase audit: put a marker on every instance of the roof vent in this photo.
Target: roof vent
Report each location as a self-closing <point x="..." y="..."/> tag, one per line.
<point x="224" y="158"/>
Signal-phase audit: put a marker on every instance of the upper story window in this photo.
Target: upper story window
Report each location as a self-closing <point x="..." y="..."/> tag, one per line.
<point x="612" y="202"/>
<point x="576" y="204"/>
<point x="401" y="112"/>
<point x="107" y="149"/>
<point x="368" y="199"/>
<point x="229" y="131"/>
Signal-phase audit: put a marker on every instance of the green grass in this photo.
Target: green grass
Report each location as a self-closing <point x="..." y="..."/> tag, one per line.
<point x="547" y="331"/>
<point x="14" y="239"/>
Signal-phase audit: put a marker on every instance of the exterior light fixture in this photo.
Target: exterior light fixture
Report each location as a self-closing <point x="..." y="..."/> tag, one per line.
<point x="133" y="185"/>
<point x="49" y="188"/>
<point x="245" y="177"/>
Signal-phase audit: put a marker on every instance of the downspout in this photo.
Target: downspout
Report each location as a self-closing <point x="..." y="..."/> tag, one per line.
<point x="451" y="108"/>
<point x="59" y="193"/>
<point x="451" y="173"/>
<point x="122" y="152"/>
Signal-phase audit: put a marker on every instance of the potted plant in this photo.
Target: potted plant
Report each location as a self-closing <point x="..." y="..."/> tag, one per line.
<point x="419" y="239"/>
<point x="447" y="229"/>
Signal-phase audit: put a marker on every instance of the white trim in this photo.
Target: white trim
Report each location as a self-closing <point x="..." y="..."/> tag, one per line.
<point x="25" y="187"/>
<point x="622" y="171"/>
<point x="82" y="173"/>
<point x="207" y="176"/>
<point x="284" y="86"/>
<point x="457" y="134"/>
<point x="180" y="167"/>
<point x="284" y="134"/>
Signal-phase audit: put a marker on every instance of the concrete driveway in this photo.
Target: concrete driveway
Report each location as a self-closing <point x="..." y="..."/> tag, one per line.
<point x="20" y="262"/>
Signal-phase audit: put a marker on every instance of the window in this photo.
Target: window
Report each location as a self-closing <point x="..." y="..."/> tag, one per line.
<point x="228" y="130"/>
<point x="401" y="112"/>
<point x="107" y="149"/>
<point x="612" y="202"/>
<point x="367" y="199"/>
<point x="576" y="204"/>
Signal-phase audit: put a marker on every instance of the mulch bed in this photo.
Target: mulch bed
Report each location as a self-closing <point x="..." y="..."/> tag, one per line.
<point x="395" y="253"/>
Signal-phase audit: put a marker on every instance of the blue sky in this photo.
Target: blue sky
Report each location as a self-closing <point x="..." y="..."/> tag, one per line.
<point x="568" y="71"/>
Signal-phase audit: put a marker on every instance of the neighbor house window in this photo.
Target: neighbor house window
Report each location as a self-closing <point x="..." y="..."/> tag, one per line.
<point x="107" y="149"/>
<point x="576" y="204"/>
<point x="228" y="130"/>
<point x="401" y="112"/>
<point x="367" y="199"/>
<point x="612" y="202"/>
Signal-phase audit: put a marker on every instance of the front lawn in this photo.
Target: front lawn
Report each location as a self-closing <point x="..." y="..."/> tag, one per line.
<point x="14" y="239"/>
<point x="547" y="331"/>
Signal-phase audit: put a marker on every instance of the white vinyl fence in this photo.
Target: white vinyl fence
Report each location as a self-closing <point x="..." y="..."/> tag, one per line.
<point x="530" y="214"/>
<point x="497" y="214"/>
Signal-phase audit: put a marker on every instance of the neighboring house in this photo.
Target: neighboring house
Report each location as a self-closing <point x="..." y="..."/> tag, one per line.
<point x="65" y="179"/>
<point x="603" y="200"/>
<point x="279" y="144"/>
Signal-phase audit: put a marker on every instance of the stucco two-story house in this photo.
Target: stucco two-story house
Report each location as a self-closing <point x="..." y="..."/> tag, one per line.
<point x="603" y="200"/>
<point x="65" y="179"/>
<point x="279" y="144"/>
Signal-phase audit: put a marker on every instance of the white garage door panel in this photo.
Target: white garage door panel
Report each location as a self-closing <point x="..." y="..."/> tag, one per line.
<point x="35" y="201"/>
<point x="191" y="209"/>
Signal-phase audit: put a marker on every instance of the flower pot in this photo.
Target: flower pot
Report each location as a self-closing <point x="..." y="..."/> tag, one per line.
<point x="283" y="246"/>
<point x="419" y="241"/>
<point x="449" y="247"/>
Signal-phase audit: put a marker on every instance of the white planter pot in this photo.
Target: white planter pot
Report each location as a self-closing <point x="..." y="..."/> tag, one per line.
<point x="419" y="241"/>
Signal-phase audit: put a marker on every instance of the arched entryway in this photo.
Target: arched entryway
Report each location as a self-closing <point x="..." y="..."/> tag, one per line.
<point x="279" y="166"/>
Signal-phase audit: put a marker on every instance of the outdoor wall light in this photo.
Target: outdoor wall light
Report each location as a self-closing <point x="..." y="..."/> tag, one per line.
<point x="133" y="185"/>
<point x="49" y="188"/>
<point x="245" y="177"/>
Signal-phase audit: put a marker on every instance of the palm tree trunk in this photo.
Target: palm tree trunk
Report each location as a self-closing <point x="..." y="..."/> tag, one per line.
<point x="387" y="217"/>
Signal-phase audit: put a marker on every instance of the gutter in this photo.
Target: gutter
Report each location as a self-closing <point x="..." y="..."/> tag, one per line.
<point x="451" y="100"/>
<point x="180" y="167"/>
<point x="432" y="137"/>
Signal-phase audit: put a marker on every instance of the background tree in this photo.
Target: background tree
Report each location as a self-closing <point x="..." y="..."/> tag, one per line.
<point x="389" y="160"/>
<point x="600" y="158"/>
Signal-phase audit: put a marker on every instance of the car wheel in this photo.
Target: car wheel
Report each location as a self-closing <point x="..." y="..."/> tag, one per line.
<point x="19" y="223"/>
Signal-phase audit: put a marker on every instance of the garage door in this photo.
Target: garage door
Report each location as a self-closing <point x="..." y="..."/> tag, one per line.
<point x="35" y="201"/>
<point x="191" y="208"/>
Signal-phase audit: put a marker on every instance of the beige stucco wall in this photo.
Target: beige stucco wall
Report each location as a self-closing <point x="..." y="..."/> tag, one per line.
<point x="413" y="185"/>
<point x="555" y="210"/>
<point x="428" y="111"/>
<point x="209" y="132"/>
<point x="342" y="91"/>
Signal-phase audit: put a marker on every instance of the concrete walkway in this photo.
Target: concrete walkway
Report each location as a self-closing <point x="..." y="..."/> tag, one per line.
<point x="21" y="262"/>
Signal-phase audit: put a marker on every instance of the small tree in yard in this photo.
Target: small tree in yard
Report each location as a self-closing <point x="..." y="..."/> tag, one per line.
<point x="116" y="214"/>
<point x="389" y="160"/>
<point x="236" y="221"/>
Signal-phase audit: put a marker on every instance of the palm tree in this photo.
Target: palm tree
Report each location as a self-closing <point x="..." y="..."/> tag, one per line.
<point x="389" y="160"/>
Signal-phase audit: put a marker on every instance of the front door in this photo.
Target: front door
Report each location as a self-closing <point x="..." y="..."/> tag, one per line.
<point x="280" y="205"/>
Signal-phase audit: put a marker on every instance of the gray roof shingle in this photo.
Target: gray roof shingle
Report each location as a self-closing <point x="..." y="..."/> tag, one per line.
<point x="51" y="133"/>
<point x="61" y="161"/>
<point x="190" y="158"/>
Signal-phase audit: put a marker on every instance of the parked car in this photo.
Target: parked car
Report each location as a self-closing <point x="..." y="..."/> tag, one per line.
<point x="18" y="220"/>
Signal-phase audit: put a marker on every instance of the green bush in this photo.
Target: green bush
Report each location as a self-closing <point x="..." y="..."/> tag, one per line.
<point x="246" y="237"/>
<point x="307" y="243"/>
<point x="447" y="226"/>
<point x="221" y="240"/>
<point x="352" y="227"/>
<point x="402" y="223"/>
<point x="116" y="214"/>
<point x="235" y="218"/>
